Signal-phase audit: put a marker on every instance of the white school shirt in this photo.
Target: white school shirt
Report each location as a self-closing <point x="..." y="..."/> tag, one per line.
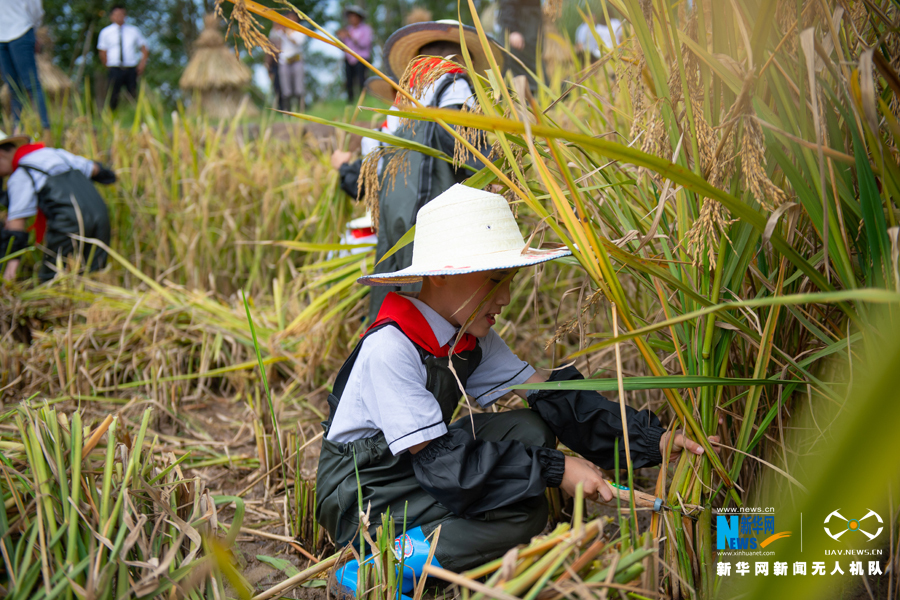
<point x="132" y="42"/>
<point x="18" y="16"/>
<point x="459" y="92"/>
<point x="386" y="387"/>
<point x="23" y="194"/>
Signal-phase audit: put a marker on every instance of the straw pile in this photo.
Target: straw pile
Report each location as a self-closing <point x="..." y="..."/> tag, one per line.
<point x="215" y="73"/>
<point x="418" y="14"/>
<point x="54" y="80"/>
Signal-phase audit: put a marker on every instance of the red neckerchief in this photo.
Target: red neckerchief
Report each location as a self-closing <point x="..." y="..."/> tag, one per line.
<point x="40" y="221"/>
<point x="412" y="323"/>
<point x="428" y="63"/>
<point x="362" y="232"/>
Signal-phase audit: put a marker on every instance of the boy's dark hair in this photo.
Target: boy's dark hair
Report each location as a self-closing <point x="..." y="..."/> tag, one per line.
<point x="117" y="6"/>
<point x="440" y="48"/>
<point x="7" y="147"/>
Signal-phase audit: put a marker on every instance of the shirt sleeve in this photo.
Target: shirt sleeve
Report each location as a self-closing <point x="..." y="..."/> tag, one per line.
<point x="22" y="199"/>
<point x="397" y="400"/>
<point x="103" y="39"/>
<point x="139" y="39"/>
<point x="85" y="165"/>
<point x="498" y="371"/>
<point x="581" y="35"/>
<point x="37" y="14"/>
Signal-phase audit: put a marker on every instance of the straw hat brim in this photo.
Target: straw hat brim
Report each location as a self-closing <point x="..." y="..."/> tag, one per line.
<point x="510" y="259"/>
<point x="405" y="43"/>
<point x="381" y="89"/>
<point x="18" y="140"/>
<point x="356" y="10"/>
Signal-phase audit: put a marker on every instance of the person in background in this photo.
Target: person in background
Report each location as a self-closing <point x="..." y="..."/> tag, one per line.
<point x="19" y="21"/>
<point x="55" y="187"/>
<point x="272" y="66"/>
<point x="358" y="36"/>
<point x="123" y="50"/>
<point x="521" y="21"/>
<point x="291" y="69"/>
<point x="586" y="41"/>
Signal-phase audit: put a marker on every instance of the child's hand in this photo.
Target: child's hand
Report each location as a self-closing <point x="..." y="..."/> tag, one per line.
<point x="682" y="443"/>
<point x="338" y="158"/>
<point x="579" y="470"/>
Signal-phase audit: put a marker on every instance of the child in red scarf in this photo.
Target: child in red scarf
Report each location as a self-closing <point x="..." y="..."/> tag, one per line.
<point x="390" y="438"/>
<point x="43" y="183"/>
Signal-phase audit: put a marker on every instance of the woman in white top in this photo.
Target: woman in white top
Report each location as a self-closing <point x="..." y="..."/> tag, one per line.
<point x="291" y="69"/>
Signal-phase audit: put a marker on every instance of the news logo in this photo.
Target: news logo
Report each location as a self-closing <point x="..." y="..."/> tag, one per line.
<point x="746" y="532"/>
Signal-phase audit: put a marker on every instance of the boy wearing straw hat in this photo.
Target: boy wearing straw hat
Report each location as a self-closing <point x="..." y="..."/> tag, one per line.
<point x="55" y="187"/>
<point x="389" y="435"/>
<point x="429" y="57"/>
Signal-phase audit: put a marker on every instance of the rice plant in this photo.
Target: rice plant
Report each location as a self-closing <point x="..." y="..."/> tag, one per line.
<point x="727" y="179"/>
<point x="94" y="512"/>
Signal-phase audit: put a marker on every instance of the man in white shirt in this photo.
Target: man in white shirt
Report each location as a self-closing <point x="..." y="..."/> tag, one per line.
<point x="123" y="50"/>
<point x="19" y="19"/>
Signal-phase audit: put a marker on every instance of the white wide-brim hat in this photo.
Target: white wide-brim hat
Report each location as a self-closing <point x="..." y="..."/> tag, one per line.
<point x="465" y="230"/>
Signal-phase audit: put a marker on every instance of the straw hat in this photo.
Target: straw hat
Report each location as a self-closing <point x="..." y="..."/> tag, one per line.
<point x="357" y="10"/>
<point x="405" y="43"/>
<point x="18" y="140"/>
<point x="465" y="230"/>
<point x="380" y="88"/>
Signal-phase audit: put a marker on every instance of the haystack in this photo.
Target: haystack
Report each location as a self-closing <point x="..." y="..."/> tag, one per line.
<point x="54" y="80"/>
<point x="417" y="15"/>
<point x="216" y="74"/>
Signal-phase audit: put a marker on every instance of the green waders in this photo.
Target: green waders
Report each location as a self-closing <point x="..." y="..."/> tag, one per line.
<point x="71" y="205"/>
<point x="388" y="482"/>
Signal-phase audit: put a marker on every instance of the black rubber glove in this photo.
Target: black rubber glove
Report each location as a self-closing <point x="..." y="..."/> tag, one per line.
<point x="105" y="175"/>
<point x="589" y="424"/>
<point x="14" y="240"/>
<point x="349" y="178"/>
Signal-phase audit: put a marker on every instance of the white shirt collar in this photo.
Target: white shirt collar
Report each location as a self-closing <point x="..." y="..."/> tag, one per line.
<point x="442" y="328"/>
